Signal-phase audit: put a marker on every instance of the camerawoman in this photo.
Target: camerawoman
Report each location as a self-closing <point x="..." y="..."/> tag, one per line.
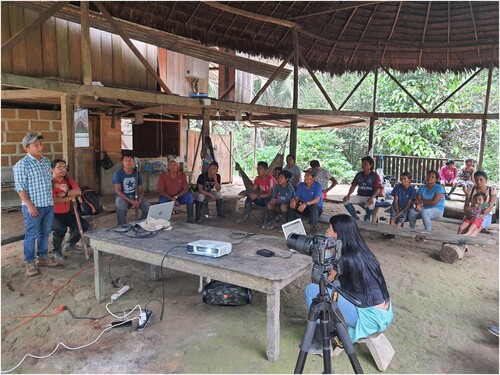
<point x="345" y="256"/>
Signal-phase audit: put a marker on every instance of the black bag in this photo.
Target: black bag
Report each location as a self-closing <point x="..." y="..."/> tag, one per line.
<point x="106" y="161"/>
<point x="219" y="293"/>
<point x="88" y="203"/>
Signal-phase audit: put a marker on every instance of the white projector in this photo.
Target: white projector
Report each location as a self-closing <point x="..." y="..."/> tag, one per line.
<point x="208" y="248"/>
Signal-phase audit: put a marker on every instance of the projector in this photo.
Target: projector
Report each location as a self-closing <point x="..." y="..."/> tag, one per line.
<point x="214" y="249"/>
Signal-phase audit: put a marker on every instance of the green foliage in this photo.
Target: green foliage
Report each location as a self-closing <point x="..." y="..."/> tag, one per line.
<point x="490" y="159"/>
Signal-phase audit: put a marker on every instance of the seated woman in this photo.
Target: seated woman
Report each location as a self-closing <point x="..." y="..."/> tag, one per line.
<point x="361" y="275"/>
<point x="481" y="180"/>
<point x="448" y="173"/>
<point x="465" y="178"/>
<point x="430" y="200"/>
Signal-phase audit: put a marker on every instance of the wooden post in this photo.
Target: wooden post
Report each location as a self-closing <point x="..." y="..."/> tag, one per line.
<point x="85" y="35"/>
<point x="68" y="131"/>
<point x="371" y="133"/>
<point x="294" y="120"/>
<point x="484" y="121"/>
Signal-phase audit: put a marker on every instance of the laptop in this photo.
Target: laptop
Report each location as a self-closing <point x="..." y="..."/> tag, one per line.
<point x="161" y="211"/>
<point x="294" y="226"/>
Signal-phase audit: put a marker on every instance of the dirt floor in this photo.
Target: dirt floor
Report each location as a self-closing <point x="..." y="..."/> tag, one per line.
<point x="441" y="313"/>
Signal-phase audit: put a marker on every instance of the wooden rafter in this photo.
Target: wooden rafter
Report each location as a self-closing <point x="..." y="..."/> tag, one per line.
<point x="475" y="30"/>
<point x="132" y="47"/>
<point x="396" y="17"/>
<point x="320" y="34"/>
<point x="364" y="31"/>
<point x="334" y="8"/>
<point x="424" y="32"/>
<point x="342" y="32"/>
<point x="215" y="21"/>
<point x="318" y="83"/>
<point x="404" y="89"/>
<point x="354" y="90"/>
<point x="248" y="23"/>
<point x="22" y="34"/>
<point x="262" y="26"/>
<point x="194" y="12"/>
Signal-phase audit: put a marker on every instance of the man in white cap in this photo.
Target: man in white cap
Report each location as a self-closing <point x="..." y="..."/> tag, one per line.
<point x="33" y="183"/>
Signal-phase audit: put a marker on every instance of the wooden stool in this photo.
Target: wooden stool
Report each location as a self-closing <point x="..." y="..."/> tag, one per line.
<point x="380" y="348"/>
<point x="451" y="253"/>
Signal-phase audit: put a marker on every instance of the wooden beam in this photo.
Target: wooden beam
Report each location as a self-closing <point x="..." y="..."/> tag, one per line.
<point x="484" y="121"/>
<point x="318" y="83"/>
<point x="294" y="121"/>
<point x="334" y="8"/>
<point x="404" y="89"/>
<point x="68" y="129"/>
<point x="271" y="79"/>
<point x="353" y="90"/>
<point x="29" y="94"/>
<point x="132" y="47"/>
<point x="85" y="43"/>
<point x="33" y="26"/>
<point x="251" y="15"/>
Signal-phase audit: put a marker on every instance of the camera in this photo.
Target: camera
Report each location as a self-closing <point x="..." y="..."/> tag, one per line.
<point x="325" y="252"/>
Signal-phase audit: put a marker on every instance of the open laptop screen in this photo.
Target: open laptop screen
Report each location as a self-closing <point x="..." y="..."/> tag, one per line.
<point x="161" y="211"/>
<point x="294" y="226"/>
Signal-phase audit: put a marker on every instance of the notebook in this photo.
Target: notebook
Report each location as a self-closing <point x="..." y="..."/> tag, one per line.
<point x="161" y="211"/>
<point x="294" y="226"/>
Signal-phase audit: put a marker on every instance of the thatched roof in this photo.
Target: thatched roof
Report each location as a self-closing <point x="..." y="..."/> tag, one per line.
<point x="335" y="36"/>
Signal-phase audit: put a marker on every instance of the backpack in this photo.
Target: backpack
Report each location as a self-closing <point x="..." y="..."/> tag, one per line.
<point x="88" y="203"/>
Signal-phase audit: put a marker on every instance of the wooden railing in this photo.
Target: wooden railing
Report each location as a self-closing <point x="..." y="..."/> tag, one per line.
<point x="395" y="165"/>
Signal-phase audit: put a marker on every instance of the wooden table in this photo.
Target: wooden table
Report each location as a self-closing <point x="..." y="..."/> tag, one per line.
<point x="241" y="267"/>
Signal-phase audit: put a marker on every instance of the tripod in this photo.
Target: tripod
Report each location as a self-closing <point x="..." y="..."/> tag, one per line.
<point x="331" y="320"/>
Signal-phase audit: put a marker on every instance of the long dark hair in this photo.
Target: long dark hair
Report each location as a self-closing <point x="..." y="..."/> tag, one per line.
<point x="358" y="260"/>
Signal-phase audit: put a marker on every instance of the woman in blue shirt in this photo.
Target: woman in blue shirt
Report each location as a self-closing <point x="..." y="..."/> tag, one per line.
<point x="431" y="197"/>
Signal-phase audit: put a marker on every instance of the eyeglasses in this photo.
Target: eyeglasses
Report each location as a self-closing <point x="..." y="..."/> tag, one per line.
<point x="63" y="168"/>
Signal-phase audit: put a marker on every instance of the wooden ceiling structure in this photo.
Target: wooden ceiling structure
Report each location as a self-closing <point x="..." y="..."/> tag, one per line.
<point x="326" y="36"/>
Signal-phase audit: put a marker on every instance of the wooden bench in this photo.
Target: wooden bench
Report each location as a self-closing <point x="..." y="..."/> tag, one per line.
<point x="380" y="348"/>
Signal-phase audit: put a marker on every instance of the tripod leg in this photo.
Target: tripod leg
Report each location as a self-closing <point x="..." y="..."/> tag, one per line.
<point x="326" y="340"/>
<point x="305" y="345"/>
<point x="348" y="347"/>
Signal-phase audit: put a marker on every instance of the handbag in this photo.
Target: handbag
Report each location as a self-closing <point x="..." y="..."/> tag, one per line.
<point x="106" y="161"/>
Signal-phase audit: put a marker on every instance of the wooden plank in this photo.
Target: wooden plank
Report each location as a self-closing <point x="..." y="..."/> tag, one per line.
<point x="63" y="56"/>
<point x="117" y="60"/>
<point x="75" y="52"/>
<point x="106" y="56"/>
<point x="19" y="64"/>
<point x="6" y="55"/>
<point x="85" y="44"/>
<point x="273" y="326"/>
<point x="152" y="58"/>
<point x="49" y="48"/>
<point x="33" y="45"/>
<point x="95" y="51"/>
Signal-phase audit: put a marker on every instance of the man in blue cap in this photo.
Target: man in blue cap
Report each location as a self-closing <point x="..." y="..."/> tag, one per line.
<point x="33" y="183"/>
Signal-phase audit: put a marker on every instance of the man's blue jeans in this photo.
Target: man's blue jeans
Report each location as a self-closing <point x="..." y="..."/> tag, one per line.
<point x="427" y="215"/>
<point x="37" y="229"/>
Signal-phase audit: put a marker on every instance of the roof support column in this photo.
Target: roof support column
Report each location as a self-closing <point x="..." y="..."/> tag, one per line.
<point x="484" y="121"/>
<point x="294" y="119"/>
<point x="85" y="35"/>
<point x="68" y="130"/>
<point x="373" y="118"/>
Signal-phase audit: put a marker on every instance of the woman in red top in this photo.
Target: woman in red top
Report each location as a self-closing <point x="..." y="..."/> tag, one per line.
<point x="64" y="191"/>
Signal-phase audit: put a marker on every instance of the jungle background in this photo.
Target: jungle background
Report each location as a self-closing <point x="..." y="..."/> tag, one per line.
<point x="340" y="150"/>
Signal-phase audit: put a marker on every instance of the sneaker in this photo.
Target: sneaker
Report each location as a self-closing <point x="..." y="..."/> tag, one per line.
<point x="221" y="216"/>
<point x="31" y="269"/>
<point x="58" y="255"/>
<point x="46" y="262"/>
<point x="269" y="226"/>
<point x="447" y="197"/>
<point x="264" y="226"/>
<point x="493" y="330"/>
<point x="244" y="219"/>
<point x="73" y="248"/>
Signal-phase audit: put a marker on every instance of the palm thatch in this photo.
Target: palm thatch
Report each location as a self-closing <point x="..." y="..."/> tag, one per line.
<point x="335" y="36"/>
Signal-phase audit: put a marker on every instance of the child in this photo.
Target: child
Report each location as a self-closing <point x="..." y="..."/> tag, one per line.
<point x="473" y="219"/>
<point x="280" y="200"/>
<point x="404" y="195"/>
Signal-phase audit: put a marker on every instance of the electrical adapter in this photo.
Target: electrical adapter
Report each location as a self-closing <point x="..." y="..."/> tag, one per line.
<point x="144" y="318"/>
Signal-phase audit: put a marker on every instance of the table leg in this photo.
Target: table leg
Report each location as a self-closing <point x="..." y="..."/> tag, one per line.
<point x="99" y="274"/>
<point x="273" y="326"/>
<point x="155" y="272"/>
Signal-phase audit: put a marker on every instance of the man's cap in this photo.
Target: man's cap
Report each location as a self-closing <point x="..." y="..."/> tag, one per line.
<point x="30" y="138"/>
<point x="450" y="161"/>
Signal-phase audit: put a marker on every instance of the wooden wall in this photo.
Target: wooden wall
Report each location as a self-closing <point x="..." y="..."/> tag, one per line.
<point x="54" y="50"/>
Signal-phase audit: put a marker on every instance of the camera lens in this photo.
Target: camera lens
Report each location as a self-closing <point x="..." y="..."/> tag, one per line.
<point x="303" y="244"/>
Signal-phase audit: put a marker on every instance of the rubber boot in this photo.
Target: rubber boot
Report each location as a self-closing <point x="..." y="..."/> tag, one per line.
<point x="198" y="211"/>
<point x="220" y="210"/>
<point x="368" y="214"/>
<point x="246" y="211"/>
<point x="57" y="252"/>
<point x="74" y="237"/>
<point x="190" y="213"/>
<point x="350" y="208"/>
<point x="448" y="196"/>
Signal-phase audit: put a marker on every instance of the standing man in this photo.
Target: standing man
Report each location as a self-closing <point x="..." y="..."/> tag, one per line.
<point x="308" y="200"/>
<point x="263" y="186"/>
<point x="294" y="170"/>
<point x="125" y="184"/>
<point x="209" y="187"/>
<point x="368" y="183"/>
<point x="64" y="191"/>
<point x="33" y="183"/>
<point x="323" y="177"/>
<point x="173" y="187"/>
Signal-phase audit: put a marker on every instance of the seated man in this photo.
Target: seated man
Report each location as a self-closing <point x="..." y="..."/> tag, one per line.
<point x="173" y="186"/>
<point x="208" y="185"/>
<point x="280" y="200"/>
<point x="448" y="173"/>
<point x="263" y="186"/>
<point x="368" y="183"/>
<point x="308" y="200"/>
<point x="129" y="191"/>
<point x="64" y="191"/>
<point x="323" y="177"/>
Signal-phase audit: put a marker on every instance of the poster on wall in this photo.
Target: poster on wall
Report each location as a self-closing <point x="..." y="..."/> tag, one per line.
<point x="81" y="122"/>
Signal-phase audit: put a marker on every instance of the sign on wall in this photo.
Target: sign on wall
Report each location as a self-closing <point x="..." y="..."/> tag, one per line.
<point x="81" y="122"/>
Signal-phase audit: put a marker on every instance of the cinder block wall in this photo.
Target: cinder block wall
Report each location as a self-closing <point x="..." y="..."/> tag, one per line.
<point x="16" y="123"/>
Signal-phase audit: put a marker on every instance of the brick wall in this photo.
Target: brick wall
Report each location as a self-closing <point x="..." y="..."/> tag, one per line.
<point x="16" y="123"/>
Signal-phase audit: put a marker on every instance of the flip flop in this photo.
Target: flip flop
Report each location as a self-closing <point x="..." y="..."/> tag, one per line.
<point x="177" y="212"/>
